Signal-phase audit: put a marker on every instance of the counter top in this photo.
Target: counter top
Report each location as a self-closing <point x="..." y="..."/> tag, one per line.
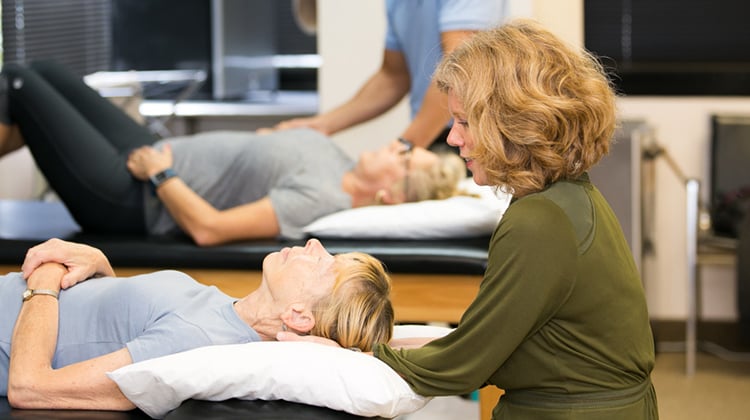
<point x="288" y="103"/>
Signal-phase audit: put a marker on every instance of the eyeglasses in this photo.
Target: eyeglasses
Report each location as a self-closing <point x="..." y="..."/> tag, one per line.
<point x="408" y="148"/>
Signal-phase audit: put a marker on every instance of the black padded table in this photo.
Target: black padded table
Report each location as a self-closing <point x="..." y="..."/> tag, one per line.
<point x="26" y="223"/>
<point x="193" y="409"/>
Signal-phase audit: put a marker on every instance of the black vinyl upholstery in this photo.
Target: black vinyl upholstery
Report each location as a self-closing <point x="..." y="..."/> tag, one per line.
<point x="192" y="409"/>
<point x="26" y="223"/>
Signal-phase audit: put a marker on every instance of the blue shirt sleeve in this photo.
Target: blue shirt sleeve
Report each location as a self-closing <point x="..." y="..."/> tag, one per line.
<point x="415" y="29"/>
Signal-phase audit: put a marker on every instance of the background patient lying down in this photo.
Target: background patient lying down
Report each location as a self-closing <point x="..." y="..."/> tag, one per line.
<point x="114" y="176"/>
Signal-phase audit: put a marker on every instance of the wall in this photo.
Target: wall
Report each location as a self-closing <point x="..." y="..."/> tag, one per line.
<point x="19" y="179"/>
<point x="351" y="50"/>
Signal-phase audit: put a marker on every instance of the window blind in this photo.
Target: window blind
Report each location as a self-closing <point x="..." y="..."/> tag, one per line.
<point x="75" y="33"/>
<point x="672" y="47"/>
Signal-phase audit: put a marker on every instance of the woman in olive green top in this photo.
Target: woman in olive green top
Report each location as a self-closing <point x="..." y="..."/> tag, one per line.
<point x="560" y="321"/>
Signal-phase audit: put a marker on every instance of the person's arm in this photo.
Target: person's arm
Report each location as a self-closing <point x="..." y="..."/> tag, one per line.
<point x="521" y="290"/>
<point x="81" y="261"/>
<point x="209" y="226"/>
<point x="203" y="222"/>
<point x="382" y="91"/>
<point x="396" y="343"/>
<point x="32" y="382"/>
<point x="433" y="116"/>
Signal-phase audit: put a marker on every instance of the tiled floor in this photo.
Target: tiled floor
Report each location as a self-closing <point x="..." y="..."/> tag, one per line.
<point x="454" y="408"/>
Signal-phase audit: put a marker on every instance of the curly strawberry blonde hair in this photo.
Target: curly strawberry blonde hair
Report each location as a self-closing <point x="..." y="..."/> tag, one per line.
<point x="538" y="109"/>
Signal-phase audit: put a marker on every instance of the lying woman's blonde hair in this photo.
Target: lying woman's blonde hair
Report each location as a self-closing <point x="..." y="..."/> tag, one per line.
<point x="358" y="313"/>
<point x="538" y="109"/>
<point x="439" y="181"/>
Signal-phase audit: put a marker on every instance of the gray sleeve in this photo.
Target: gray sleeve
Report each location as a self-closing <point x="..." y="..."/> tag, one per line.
<point x="299" y="206"/>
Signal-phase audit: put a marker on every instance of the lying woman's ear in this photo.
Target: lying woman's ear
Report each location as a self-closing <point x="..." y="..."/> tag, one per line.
<point x="298" y="318"/>
<point x="384" y="196"/>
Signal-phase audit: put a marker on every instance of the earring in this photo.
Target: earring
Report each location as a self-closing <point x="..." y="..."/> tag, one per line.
<point x="283" y="327"/>
<point x="379" y="196"/>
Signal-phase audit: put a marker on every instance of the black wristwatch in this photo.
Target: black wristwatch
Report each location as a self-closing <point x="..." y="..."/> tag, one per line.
<point x="159" y="178"/>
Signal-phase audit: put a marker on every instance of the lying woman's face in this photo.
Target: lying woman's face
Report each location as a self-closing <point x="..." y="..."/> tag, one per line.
<point x="300" y="274"/>
<point x="391" y="162"/>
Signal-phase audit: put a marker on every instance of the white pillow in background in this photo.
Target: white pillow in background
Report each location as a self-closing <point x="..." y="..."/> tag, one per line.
<point x="415" y="330"/>
<point x="300" y="372"/>
<point x="455" y="217"/>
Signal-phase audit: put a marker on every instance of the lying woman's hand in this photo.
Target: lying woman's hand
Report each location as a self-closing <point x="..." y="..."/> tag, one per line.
<point x="82" y="261"/>
<point x="146" y="161"/>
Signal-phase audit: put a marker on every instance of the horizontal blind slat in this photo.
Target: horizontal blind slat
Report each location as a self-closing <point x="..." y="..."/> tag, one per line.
<point x="74" y="32"/>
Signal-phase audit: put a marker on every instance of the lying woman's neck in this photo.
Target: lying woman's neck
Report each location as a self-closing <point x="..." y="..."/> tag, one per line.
<point x="259" y="314"/>
<point x="363" y="192"/>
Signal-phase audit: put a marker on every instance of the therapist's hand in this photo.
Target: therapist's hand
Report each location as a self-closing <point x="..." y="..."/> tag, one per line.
<point x="316" y="123"/>
<point x="290" y="336"/>
<point x="81" y="261"/>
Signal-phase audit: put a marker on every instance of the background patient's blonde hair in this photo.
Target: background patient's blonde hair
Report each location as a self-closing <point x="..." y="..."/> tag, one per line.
<point x="358" y="313"/>
<point x="439" y="181"/>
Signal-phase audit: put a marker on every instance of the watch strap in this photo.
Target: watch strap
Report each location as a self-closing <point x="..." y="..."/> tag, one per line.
<point x="161" y="177"/>
<point x="30" y="293"/>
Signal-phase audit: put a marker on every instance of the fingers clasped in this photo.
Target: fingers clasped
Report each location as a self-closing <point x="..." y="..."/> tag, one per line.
<point x="82" y="261"/>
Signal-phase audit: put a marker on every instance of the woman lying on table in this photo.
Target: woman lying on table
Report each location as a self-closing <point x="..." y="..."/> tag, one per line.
<point x="57" y="345"/>
<point x="216" y="187"/>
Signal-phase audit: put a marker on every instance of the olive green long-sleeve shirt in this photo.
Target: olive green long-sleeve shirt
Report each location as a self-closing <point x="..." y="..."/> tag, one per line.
<point x="560" y="321"/>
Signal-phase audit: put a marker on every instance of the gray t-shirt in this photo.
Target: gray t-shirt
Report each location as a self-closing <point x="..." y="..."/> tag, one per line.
<point x="152" y="315"/>
<point x="300" y="170"/>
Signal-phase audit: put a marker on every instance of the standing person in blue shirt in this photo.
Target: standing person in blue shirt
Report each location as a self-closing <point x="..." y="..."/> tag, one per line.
<point x="419" y="34"/>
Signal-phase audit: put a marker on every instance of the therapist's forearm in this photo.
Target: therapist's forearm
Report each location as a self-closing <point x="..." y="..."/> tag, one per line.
<point x="433" y="115"/>
<point x="430" y="121"/>
<point x="379" y="94"/>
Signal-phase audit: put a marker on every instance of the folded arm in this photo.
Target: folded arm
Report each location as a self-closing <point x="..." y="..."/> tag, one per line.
<point x="209" y="226"/>
<point x="81" y="261"/>
<point x="203" y="222"/>
<point x="32" y="382"/>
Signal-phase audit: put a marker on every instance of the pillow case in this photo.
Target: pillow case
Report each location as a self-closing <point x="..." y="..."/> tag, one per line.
<point x="301" y="372"/>
<point x="455" y="217"/>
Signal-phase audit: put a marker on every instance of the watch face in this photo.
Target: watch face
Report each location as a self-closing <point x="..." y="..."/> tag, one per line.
<point x="158" y="178"/>
<point x="27" y="294"/>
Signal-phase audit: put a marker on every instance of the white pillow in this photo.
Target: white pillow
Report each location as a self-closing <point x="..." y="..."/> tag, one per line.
<point x="300" y="372"/>
<point x="455" y="217"/>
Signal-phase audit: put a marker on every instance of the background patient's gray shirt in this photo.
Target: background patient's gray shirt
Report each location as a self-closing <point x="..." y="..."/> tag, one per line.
<point x="300" y="170"/>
